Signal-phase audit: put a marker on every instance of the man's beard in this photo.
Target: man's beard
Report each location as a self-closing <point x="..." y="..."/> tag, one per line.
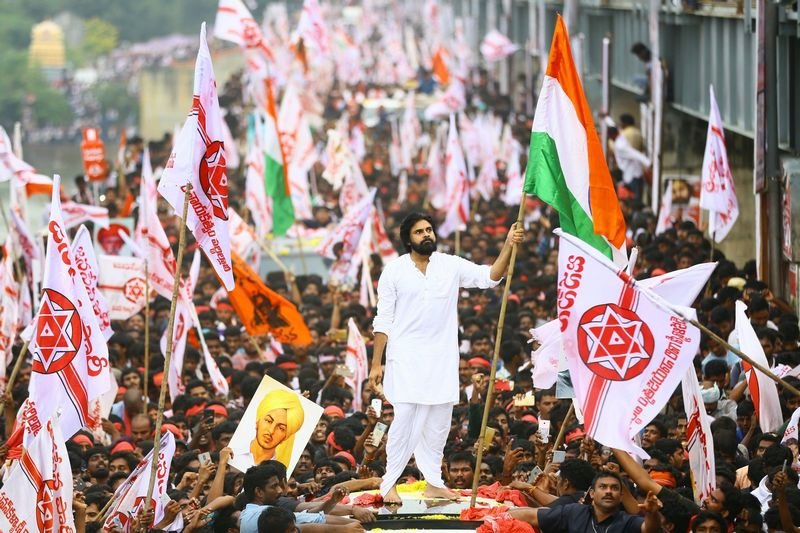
<point x="426" y="247"/>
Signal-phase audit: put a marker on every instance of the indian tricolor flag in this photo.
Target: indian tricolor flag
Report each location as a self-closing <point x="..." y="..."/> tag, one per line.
<point x="275" y="178"/>
<point x="566" y="167"/>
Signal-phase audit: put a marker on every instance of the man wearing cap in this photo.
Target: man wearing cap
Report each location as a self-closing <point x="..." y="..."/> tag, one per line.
<point x="417" y="326"/>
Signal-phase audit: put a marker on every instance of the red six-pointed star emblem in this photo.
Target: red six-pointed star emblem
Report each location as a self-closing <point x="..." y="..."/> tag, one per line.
<point x="614" y="343"/>
<point x="59" y="333"/>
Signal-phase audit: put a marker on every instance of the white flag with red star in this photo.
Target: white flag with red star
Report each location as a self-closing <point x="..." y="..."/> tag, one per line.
<point x="37" y="494"/>
<point x="70" y="354"/>
<point x="130" y="496"/>
<point x="717" y="192"/>
<point x="626" y="353"/>
<point x="199" y="159"/>
<point x="235" y="24"/>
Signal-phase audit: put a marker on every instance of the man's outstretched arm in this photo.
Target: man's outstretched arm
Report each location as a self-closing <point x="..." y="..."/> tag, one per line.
<point x="500" y="266"/>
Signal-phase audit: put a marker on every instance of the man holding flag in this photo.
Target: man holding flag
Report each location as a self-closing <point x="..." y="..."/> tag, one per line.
<point x="417" y="326"/>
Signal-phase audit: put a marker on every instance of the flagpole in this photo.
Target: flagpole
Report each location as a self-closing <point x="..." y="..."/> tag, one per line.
<point x="458" y="242"/>
<point x="302" y="253"/>
<point x="168" y="355"/>
<point x="10" y="252"/>
<point x="711" y="257"/>
<point x="496" y="356"/>
<point x="678" y="312"/>
<point x="17" y="365"/>
<point x="273" y="256"/>
<point x="738" y="352"/>
<point x="562" y="431"/>
<point x="146" y="330"/>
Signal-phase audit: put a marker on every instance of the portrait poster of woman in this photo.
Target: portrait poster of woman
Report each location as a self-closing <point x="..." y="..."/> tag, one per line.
<point x="276" y="425"/>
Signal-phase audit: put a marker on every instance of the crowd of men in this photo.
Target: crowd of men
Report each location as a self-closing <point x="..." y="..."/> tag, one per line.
<point x="591" y="488"/>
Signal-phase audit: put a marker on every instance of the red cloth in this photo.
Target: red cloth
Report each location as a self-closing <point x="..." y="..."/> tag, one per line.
<point x="504" y="524"/>
<point x="478" y="513"/>
<point x="511" y="495"/>
<point x="368" y="500"/>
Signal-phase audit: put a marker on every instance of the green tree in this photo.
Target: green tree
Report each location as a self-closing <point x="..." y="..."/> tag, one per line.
<point x="21" y="86"/>
<point x="100" y="37"/>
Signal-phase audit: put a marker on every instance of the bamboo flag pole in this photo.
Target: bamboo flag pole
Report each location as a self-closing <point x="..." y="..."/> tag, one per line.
<point x="496" y="356"/>
<point x="168" y="355"/>
<point x="678" y="312"/>
<point x="273" y="256"/>
<point x="562" y="431"/>
<point x="146" y="330"/>
<point x="17" y="365"/>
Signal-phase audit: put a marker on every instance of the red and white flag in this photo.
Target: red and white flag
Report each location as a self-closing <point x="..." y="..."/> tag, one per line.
<point x="547" y="357"/>
<point x="496" y="46"/>
<point x="453" y="100"/>
<point x="130" y="496"/>
<point x="312" y="28"/>
<point x="198" y="158"/>
<point x="457" y="195"/>
<point x="356" y="360"/>
<point x="37" y="494"/>
<point x="122" y="283"/>
<point x="437" y="188"/>
<point x="299" y="152"/>
<point x="183" y="322"/>
<point x="348" y="231"/>
<point x="89" y="271"/>
<point x="763" y="391"/>
<point x="625" y="352"/>
<point x="665" y="211"/>
<point x="152" y="240"/>
<point x="74" y="213"/>
<point x="235" y="24"/>
<point x="244" y="240"/>
<point x="24" y="242"/>
<point x="9" y="309"/>
<point x="699" y="440"/>
<point x="513" y="192"/>
<point x="70" y="354"/>
<point x="410" y="130"/>
<point x="791" y="432"/>
<point x="681" y="287"/>
<point x="717" y="192"/>
<point x="255" y="192"/>
<point x="218" y="381"/>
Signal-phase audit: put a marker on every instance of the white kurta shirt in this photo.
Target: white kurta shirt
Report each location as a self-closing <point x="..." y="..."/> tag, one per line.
<point x="418" y="312"/>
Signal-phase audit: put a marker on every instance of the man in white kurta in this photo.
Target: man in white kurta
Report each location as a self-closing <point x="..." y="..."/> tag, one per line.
<point x="417" y="324"/>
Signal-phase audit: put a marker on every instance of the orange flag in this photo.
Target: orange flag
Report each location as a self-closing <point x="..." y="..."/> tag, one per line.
<point x="440" y="69"/>
<point x="262" y="310"/>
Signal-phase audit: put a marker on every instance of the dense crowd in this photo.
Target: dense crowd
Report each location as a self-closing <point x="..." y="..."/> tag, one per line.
<point x="756" y="477"/>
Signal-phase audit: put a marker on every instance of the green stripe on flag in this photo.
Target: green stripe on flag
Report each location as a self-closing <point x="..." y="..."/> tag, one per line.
<point x="545" y="179"/>
<point x="282" y="208"/>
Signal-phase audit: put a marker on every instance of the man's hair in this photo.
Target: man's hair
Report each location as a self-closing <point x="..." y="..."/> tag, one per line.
<point x="606" y="474"/>
<point x="408" y="223"/>
<point x="274" y="519"/>
<point x="668" y="446"/>
<point x="715" y="367"/>
<point x="704" y="516"/>
<point x="466" y="457"/>
<point x="257" y="476"/>
<point x="626" y="119"/>
<point x="660" y="426"/>
<point x="578" y="473"/>
<point x="229" y="426"/>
